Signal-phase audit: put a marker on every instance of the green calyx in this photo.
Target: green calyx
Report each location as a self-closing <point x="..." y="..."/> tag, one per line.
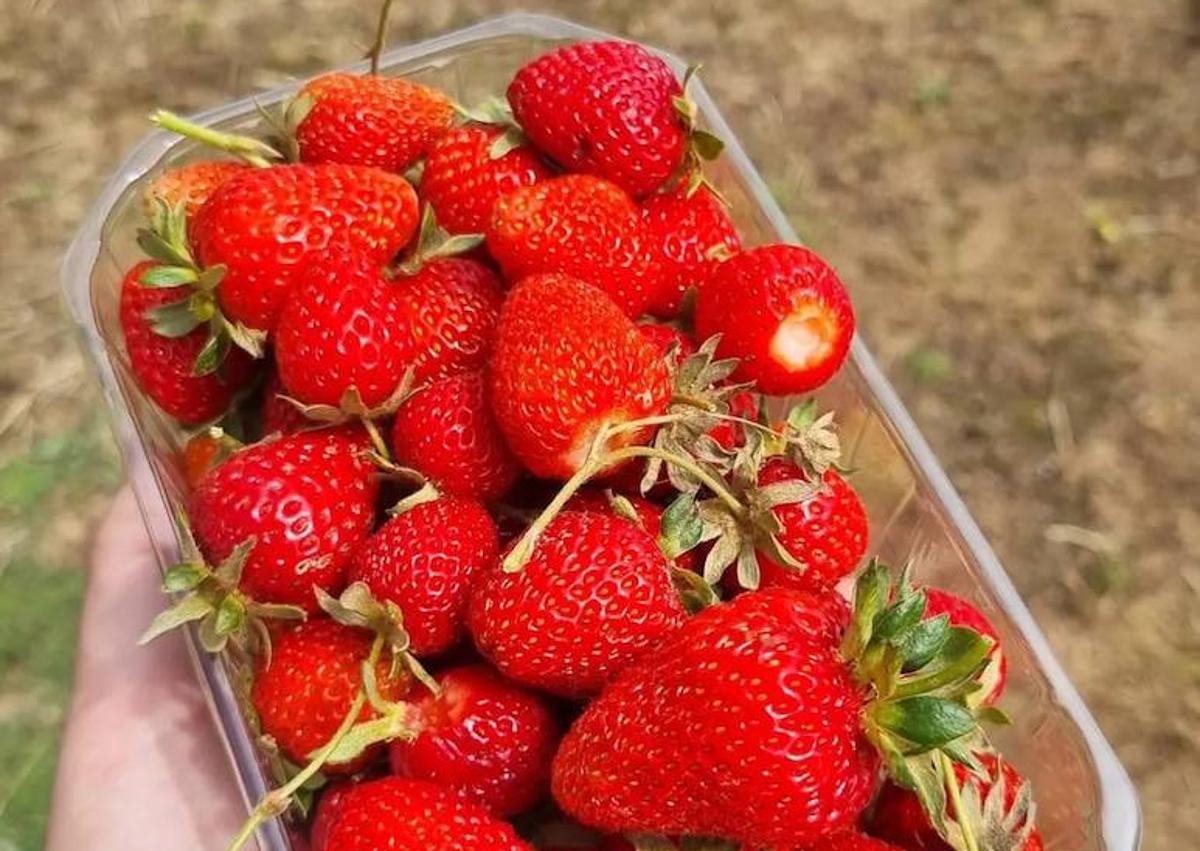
<point x="352" y="408"/>
<point x="433" y="243"/>
<point x="210" y="596"/>
<point x="166" y="241"/>
<point x="495" y="112"/>
<point x="702" y="145"/>
<point x="921" y="675"/>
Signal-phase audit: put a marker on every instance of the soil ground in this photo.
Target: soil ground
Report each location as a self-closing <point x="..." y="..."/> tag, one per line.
<point x="1012" y="188"/>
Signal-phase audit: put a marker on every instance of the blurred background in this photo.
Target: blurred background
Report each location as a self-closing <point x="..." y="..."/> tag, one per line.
<point x="1010" y="187"/>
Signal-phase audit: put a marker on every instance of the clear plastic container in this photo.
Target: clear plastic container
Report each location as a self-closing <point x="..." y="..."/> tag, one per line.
<point x="1085" y="799"/>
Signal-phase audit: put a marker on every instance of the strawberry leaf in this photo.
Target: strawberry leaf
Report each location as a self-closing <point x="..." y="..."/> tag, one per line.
<point x="924" y="641"/>
<point x="184" y="577"/>
<point x="216" y="348"/>
<point x="173" y="320"/>
<point x="190" y="608"/>
<point x="924" y="720"/>
<point x="681" y="526"/>
<point x="165" y="277"/>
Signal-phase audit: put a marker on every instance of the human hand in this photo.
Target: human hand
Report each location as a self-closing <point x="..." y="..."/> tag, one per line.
<point x="142" y="765"/>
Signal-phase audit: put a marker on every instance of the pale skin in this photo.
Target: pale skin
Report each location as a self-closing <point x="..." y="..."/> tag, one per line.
<point x="142" y="766"/>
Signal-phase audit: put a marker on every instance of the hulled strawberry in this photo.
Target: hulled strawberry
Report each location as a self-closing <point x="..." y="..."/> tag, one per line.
<point x="594" y="595"/>
<point x="483" y="736"/>
<point x="188" y="186"/>
<point x="369" y="120"/>
<point x="304" y="689"/>
<point x="342" y="329"/>
<point x="567" y="364"/>
<point x="165" y="355"/>
<point x="463" y="179"/>
<point x="425" y="559"/>
<point x="997" y="805"/>
<point x="826" y="531"/>
<point x="690" y="232"/>
<point x="961" y="613"/>
<point x="447" y="431"/>
<point x="406" y="815"/>
<point x="771" y="675"/>
<point x="307" y="500"/>
<point x="451" y="306"/>
<point x="581" y="226"/>
<point x="265" y="226"/>
<point x="782" y="312"/>
<point x="606" y="108"/>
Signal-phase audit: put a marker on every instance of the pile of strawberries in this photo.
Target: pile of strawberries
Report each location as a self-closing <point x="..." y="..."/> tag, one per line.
<point x="487" y="508"/>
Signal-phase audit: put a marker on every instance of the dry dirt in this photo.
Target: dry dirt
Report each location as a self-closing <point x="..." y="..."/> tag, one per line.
<point x="1012" y="187"/>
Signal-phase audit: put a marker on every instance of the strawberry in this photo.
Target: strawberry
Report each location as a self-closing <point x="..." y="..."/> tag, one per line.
<point x="307" y="499"/>
<point x="447" y="431"/>
<point x="188" y="186"/>
<point x="303" y="690"/>
<point x="279" y="416"/>
<point x="769" y="676"/>
<point x="462" y="179"/>
<point x="342" y="328"/>
<point x="406" y="815"/>
<point x="594" y="595"/>
<point x="690" y="233"/>
<point x="605" y="108"/>
<point x="266" y="225"/>
<point x="899" y="817"/>
<point x="581" y="226"/>
<point x="424" y="560"/>
<point x="962" y="613"/>
<point x="484" y="737"/>
<point x="164" y="361"/>
<point x="368" y="120"/>
<point x="664" y="337"/>
<point x="567" y="363"/>
<point x="451" y="306"/>
<point x="782" y="312"/>
<point x="852" y="841"/>
<point x="826" y="532"/>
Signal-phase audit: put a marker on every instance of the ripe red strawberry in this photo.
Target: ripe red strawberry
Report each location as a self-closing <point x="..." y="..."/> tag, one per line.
<point x="566" y="362"/>
<point x="268" y="224"/>
<point x="462" y="181"/>
<point x="190" y="185"/>
<point x="307" y="498"/>
<point x="486" y="738"/>
<point x="691" y="235"/>
<point x="451" y="307"/>
<point x="853" y="841"/>
<point x="899" y="818"/>
<point x="448" y="432"/>
<point x="342" y="327"/>
<point x="826" y="532"/>
<point x="406" y="815"/>
<point x="664" y="337"/>
<point x="594" y="595"/>
<point x="581" y="226"/>
<point x="425" y="560"/>
<point x="203" y="453"/>
<point x="369" y="120"/>
<point x="731" y="434"/>
<point x="782" y="312"/>
<point x="962" y="613"/>
<point x="278" y="415"/>
<point x="164" y="365"/>
<point x="771" y="675"/>
<point x="604" y="108"/>
<point x="303" y="691"/>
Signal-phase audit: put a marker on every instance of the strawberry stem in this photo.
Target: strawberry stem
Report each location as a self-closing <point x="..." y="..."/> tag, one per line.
<point x="277" y="801"/>
<point x="597" y="461"/>
<point x="380" y="36"/>
<point x="960" y="816"/>
<point x="254" y="151"/>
